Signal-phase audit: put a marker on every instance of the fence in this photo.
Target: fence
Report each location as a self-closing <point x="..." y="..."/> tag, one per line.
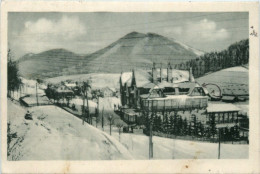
<point x="204" y="139"/>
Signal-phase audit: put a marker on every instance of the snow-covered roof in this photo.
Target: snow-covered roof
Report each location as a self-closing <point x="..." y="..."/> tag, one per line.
<point x="177" y="75"/>
<point x="222" y="108"/>
<point x="142" y="78"/>
<point x="71" y="84"/>
<point x="126" y="76"/>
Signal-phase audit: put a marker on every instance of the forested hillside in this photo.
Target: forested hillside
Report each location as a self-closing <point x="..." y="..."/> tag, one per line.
<point x="235" y="55"/>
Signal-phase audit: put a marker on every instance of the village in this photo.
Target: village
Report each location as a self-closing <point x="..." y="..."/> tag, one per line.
<point x="161" y="102"/>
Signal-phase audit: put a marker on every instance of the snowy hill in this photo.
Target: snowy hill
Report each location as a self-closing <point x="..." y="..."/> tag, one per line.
<point x="134" y="50"/>
<point x="234" y="80"/>
<point x="54" y="134"/>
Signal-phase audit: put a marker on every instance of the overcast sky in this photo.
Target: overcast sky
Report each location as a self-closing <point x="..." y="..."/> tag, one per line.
<point x="87" y="32"/>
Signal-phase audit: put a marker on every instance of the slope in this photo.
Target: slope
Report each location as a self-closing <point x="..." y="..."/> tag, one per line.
<point x="233" y="80"/>
<point x="53" y="134"/>
<point x="48" y="63"/>
<point x="138" y="50"/>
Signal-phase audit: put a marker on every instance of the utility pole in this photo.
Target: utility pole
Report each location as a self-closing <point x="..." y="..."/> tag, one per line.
<point x="110" y="123"/>
<point x="151" y="133"/>
<point x="83" y="109"/>
<point x="37" y="95"/>
<point x="151" y="141"/>
<point x="219" y="136"/>
<point x="103" y="119"/>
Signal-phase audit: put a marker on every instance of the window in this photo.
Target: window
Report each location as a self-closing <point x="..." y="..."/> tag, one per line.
<point x="230" y="117"/>
<point x="221" y="118"/>
<point x="217" y="117"/>
<point x="226" y="118"/>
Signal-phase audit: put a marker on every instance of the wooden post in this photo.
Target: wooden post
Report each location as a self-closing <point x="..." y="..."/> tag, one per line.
<point x="37" y="95"/>
<point x="83" y="109"/>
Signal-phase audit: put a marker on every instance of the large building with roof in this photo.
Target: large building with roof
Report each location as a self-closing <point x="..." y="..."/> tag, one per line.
<point x="173" y="99"/>
<point x="168" y="87"/>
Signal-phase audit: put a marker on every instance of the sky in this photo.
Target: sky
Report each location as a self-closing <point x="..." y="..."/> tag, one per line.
<point x="84" y="33"/>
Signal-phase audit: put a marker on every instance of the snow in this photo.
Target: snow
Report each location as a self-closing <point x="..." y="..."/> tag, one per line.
<point x="79" y="101"/>
<point x="54" y="134"/>
<point x="222" y="107"/>
<point x="108" y="103"/>
<point x="125" y="77"/>
<point x="195" y="51"/>
<point x="166" y="148"/>
<point x="97" y="79"/>
<point x="236" y="69"/>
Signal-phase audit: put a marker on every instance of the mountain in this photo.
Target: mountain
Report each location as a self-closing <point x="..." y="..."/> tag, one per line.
<point x="138" y="50"/>
<point x="48" y="63"/>
<point x="134" y="50"/>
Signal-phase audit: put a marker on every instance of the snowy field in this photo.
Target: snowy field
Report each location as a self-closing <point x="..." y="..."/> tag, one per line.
<point x="54" y="134"/>
<point x="166" y="148"/>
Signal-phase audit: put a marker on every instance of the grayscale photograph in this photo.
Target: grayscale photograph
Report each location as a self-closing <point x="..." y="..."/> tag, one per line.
<point x="128" y="85"/>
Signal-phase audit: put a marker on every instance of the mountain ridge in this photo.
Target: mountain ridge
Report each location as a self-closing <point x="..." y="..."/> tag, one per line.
<point x="133" y="50"/>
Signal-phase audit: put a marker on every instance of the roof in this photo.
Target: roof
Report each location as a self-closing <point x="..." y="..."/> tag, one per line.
<point x="31" y="100"/>
<point x="130" y="112"/>
<point x="222" y="108"/>
<point x="177" y="75"/>
<point x="64" y="91"/>
<point x="126" y="76"/>
<point x="142" y="78"/>
<point x="71" y="84"/>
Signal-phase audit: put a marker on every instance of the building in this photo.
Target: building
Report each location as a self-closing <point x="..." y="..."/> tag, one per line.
<point x="160" y="91"/>
<point x="224" y="118"/>
<point x="168" y="88"/>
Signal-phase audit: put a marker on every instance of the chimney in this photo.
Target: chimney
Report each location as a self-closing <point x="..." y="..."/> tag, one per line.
<point x="169" y="73"/>
<point x="154" y="73"/>
<point x="190" y="75"/>
<point x="161" y="73"/>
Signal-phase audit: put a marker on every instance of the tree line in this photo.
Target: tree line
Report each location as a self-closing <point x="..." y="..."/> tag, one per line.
<point x="179" y="126"/>
<point x="235" y="55"/>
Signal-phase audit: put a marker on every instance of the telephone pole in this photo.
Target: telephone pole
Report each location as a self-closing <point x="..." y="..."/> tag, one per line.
<point x="37" y="95"/>
<point x="219" y="136"/>
<point x="103" y="119"/>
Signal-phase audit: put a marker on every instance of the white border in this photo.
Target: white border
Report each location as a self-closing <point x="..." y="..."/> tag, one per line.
<point x="250" y="165"/>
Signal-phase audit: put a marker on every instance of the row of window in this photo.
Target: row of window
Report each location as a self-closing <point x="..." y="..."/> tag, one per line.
<point x="224" y="117"/>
